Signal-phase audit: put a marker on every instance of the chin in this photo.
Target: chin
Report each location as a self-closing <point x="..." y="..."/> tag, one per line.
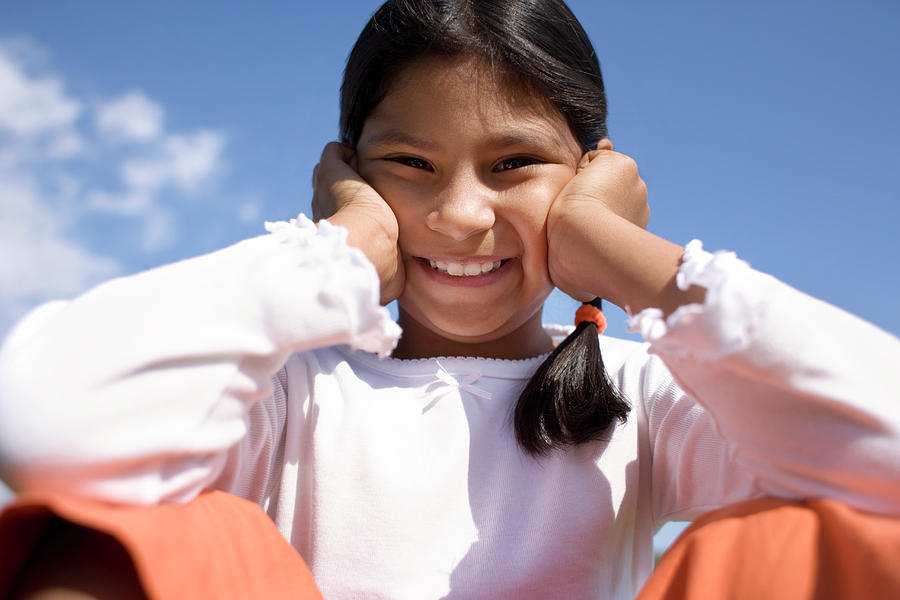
<point x="467" y="324"/>
<point x="467" y="330"/>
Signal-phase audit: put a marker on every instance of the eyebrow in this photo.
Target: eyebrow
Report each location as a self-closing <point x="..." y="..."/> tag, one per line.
<point x="395" y="136"/>
<point x="525" y="137"/>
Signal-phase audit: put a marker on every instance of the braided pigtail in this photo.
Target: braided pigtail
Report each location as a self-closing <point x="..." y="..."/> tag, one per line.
<point x="570" y="399"/>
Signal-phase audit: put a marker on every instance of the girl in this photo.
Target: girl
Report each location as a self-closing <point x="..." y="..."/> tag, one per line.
<point x="478" y="454"/>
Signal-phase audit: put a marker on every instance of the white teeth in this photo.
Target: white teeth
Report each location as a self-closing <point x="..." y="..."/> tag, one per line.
<point x="464" y="270"/>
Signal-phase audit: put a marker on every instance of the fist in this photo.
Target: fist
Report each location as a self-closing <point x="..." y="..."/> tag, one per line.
<point x="605" y="192"/>
<point x="337" y="184"/>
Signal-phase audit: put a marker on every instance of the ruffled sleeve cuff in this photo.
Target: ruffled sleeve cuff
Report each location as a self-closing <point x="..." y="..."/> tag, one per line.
<point x="722" y="324"/>
<point x="346" y="282"/>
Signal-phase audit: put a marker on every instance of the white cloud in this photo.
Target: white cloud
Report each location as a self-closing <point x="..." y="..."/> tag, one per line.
<point x="30" y="106"/>
<point x="38" y="133"/>
<point x="185" y="161"/>
<point x="130" y="117"/>
<point x="38" y="119"/>
<point x="40" y="261"/>
<point x="63" y="178"/>
<point x="67" y="144"/>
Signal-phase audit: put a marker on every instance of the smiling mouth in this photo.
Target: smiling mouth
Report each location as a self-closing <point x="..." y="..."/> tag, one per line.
<point x="468" y="269"/>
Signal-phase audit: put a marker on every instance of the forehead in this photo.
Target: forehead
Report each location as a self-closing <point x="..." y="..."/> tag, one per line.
<point x="473" y="74"/>
<point x="465" y="95"/>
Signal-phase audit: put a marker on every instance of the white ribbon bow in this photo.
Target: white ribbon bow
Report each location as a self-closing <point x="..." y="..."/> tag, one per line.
<point x="466" y="385"/>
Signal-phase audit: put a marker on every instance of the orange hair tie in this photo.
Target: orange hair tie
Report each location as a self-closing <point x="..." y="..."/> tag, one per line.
<point x="588" y="313"/>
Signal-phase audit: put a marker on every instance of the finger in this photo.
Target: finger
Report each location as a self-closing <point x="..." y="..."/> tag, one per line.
<point x="334" y="166"/>
<point x="347" y="152"/>
<point x="602" y="144"/>
<point x="334" y="149"/>
<point x="584" y="162"/>
<point x="336" y="157"/>
<point x="338" y="152"/>
<point x="589" y="157"/>
<point x="335" y="152"/>
<point x="348" y="155"/>
<point x="330" y="153"/>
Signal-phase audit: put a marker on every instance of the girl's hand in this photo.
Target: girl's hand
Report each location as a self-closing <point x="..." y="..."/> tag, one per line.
<point x="597" y="242"/>
<point x="344" y="198"/>
<point x="606" y="185"/>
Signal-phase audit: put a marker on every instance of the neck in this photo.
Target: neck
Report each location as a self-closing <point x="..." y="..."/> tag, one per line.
<point x="419" y="341"/>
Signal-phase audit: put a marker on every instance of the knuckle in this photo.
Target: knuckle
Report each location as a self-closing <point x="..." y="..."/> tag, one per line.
<point x="630" y="164"/>
<point x="642" y="188"/>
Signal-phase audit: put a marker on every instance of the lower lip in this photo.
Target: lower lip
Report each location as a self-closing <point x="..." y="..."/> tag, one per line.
<point x="468" y="280"/>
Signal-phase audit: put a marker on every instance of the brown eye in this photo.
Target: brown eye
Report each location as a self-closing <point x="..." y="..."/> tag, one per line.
<point x="516" y="162"/>
<point x="412" y="161"/>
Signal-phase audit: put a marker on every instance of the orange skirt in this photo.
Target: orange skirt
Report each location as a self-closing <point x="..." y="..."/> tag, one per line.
<point x="780" y="550"/>
<point x="217" y="546"/>
<point x="220" y="546"/>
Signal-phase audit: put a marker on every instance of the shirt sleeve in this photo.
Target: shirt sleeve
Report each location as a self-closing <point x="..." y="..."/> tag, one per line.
<point x="794" y="397"/>
<point x="136" y="391"/>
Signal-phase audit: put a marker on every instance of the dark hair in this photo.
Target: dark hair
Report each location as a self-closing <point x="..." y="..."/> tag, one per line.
<point x="569" y="400"/>
<point x="538" y="44"/>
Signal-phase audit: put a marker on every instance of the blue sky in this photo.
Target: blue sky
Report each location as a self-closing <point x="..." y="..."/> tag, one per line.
<point x="134" y="134"/>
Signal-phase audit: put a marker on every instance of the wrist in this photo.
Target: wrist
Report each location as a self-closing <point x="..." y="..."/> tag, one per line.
<point x="576" y="256"/>
<point x="597" y="253"/>
<point x="368" y="231"/>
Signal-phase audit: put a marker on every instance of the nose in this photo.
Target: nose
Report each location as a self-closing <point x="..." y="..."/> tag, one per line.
<point x="462" y="209"/>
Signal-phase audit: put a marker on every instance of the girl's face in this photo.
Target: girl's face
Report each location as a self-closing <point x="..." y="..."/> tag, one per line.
<point x="470" y="166"/>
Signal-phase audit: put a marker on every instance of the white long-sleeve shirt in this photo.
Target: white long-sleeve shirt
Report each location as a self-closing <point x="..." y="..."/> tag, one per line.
<point x="255" y="370"/>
